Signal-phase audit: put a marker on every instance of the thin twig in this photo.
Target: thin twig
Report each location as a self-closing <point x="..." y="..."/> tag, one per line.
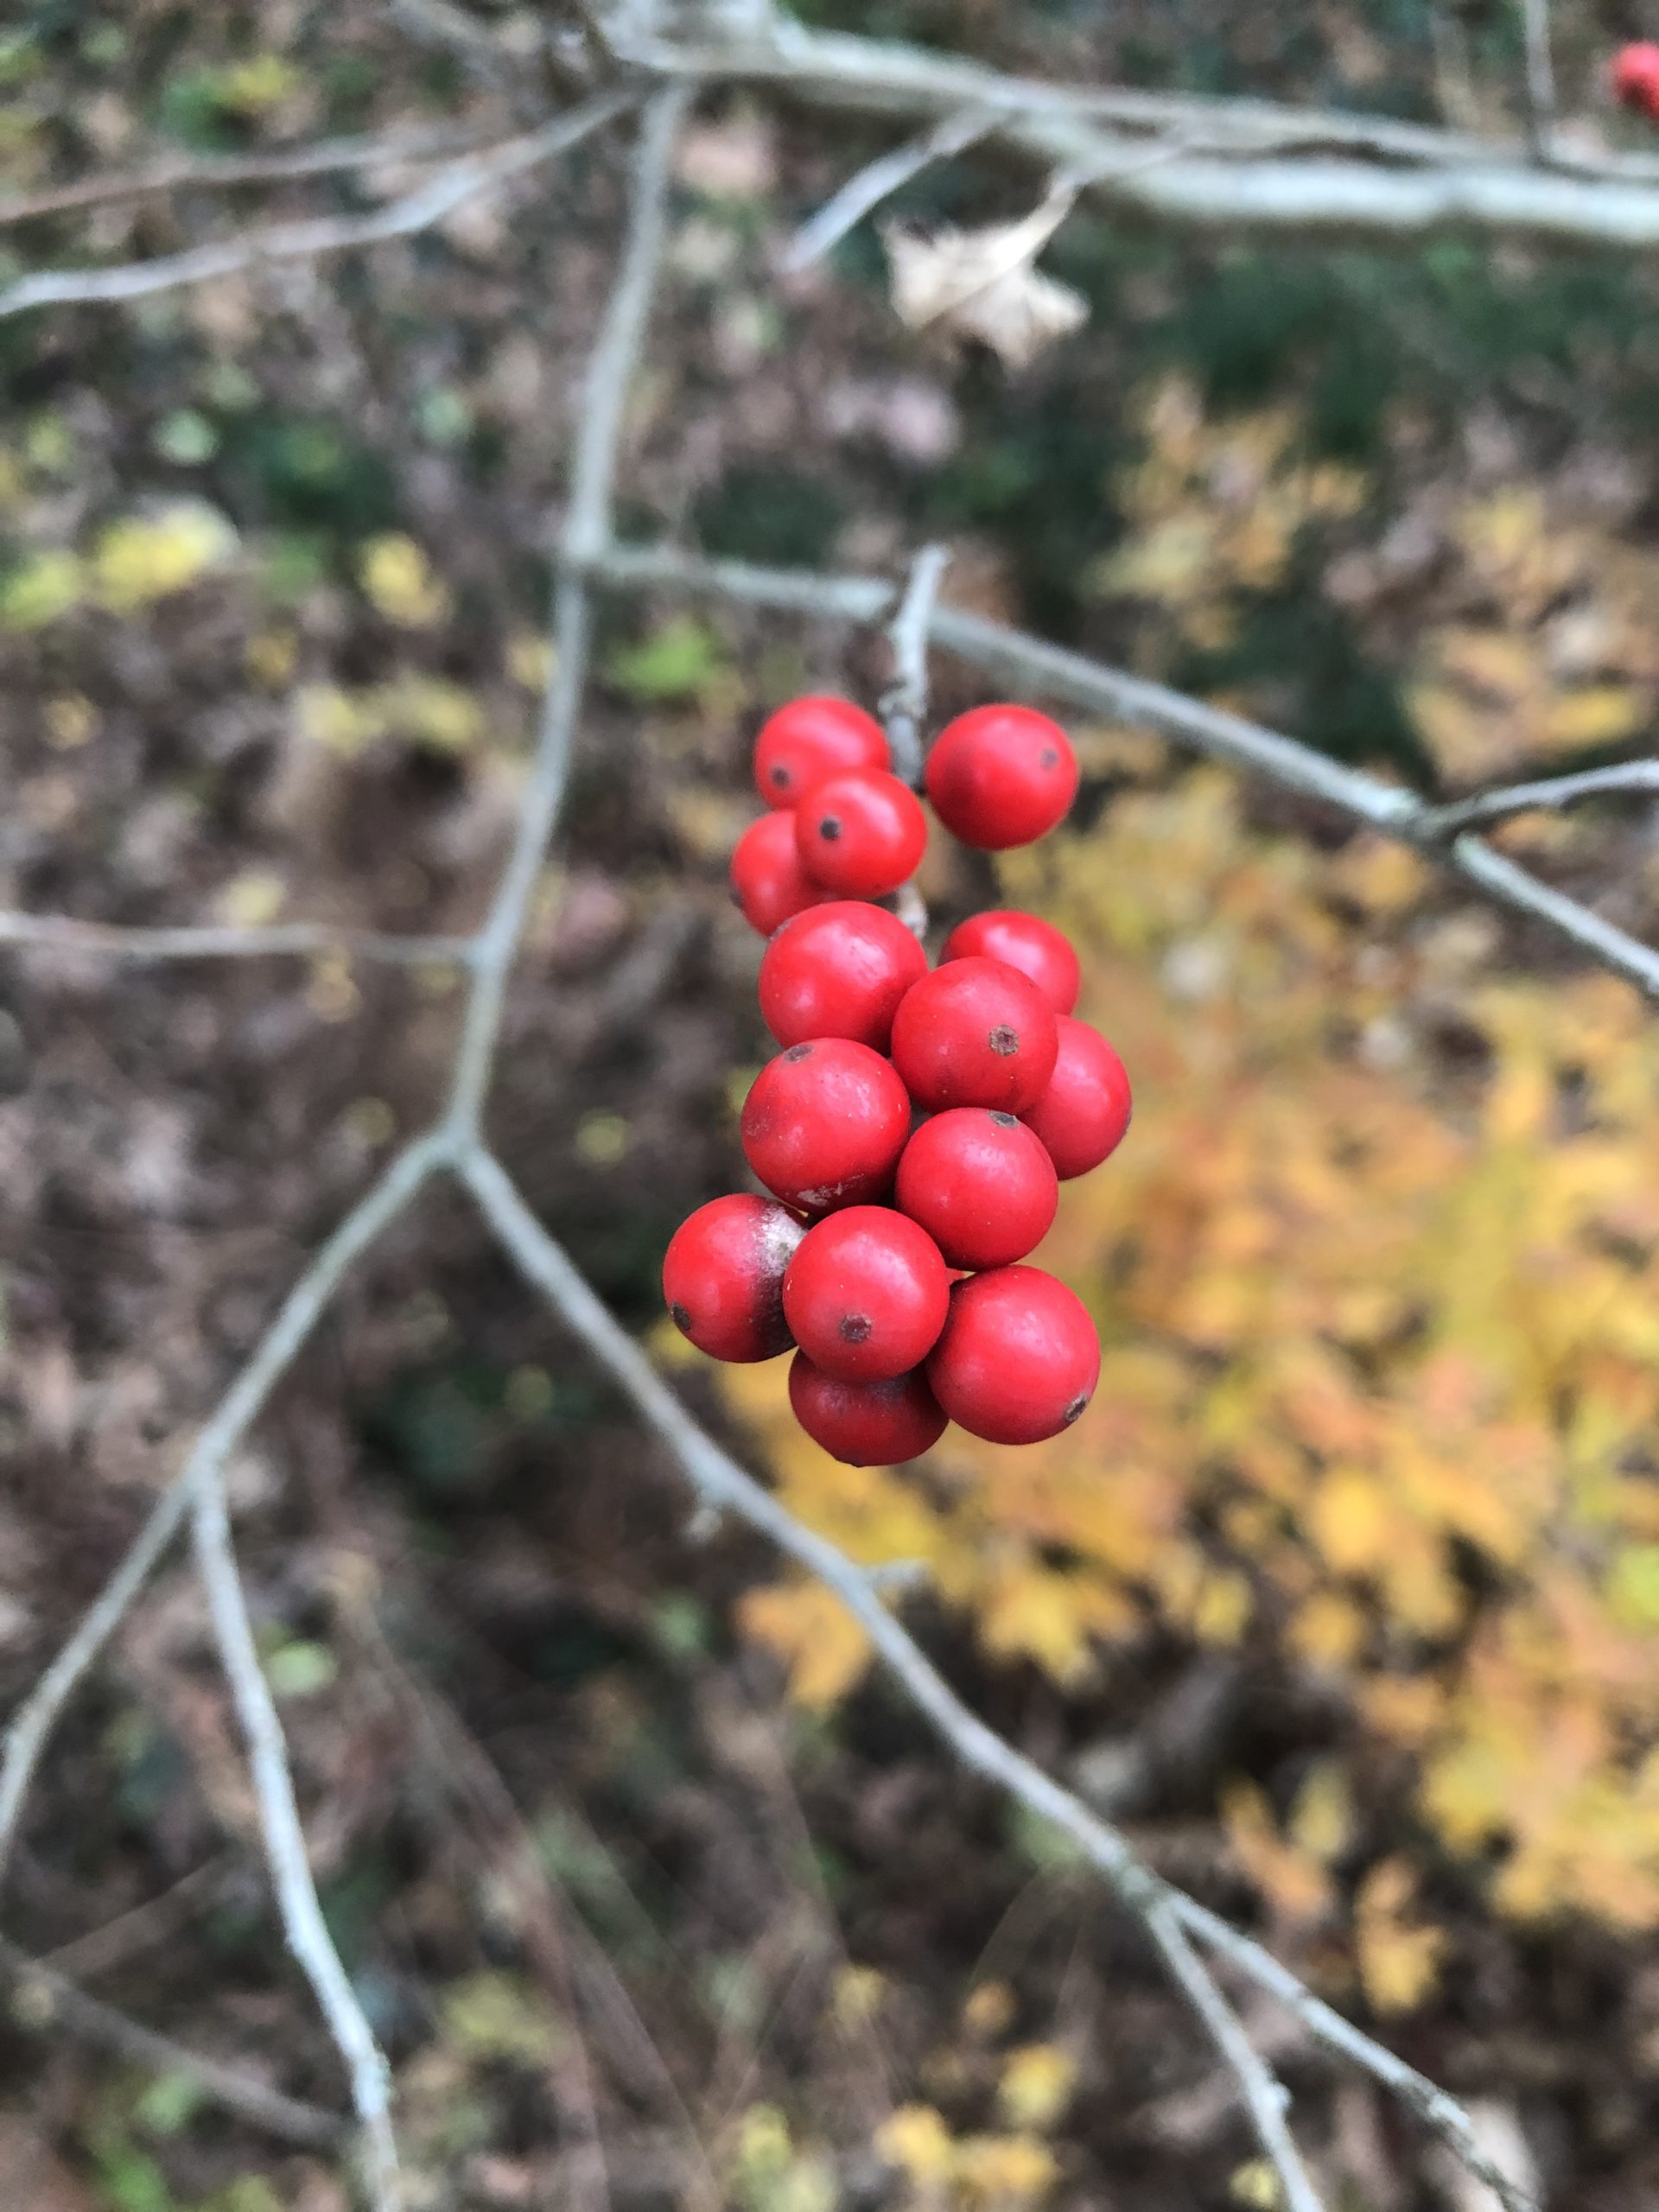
<point x="416" y="211"/>
<point x="156" y="1920"/>
<point x="44" y="1999"/>
<point x="903" y="706"/>
<point x="723" y="1486"/>
<point x="32" y="1722"/>
<point x="1029" y="663"/>
<point x="587" y="528"/>
<point x="862" y="193"/>
<point x="183" y="173"/>
<point x="1263" y="170"/>
<point x="1265" y="2097"/>
<point x="285" y="1840"/>
<point x="199" y="1486"/>
<point x="1550" y="795"/>
<point x="1541" y="76"/>
<point x="109" y="941"/>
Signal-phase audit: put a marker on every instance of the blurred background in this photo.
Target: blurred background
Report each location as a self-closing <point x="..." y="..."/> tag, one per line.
<point x="1343" y="1596"/>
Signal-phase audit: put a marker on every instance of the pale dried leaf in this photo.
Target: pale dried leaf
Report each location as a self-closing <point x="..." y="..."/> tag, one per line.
<point x="982" y="284"/>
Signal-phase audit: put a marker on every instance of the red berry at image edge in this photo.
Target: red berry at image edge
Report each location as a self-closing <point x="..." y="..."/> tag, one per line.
<point x="1636" y="78"/>
<point x="1035" y="948"/>
<point x="976" y="1032"/>
<point x="865" y="1424"/>
<point x="839" y="970"/>
<point x="768" y="882"/>
<point x="981" y="1185"/>
<point x="723" y="1277"/>
<point x="824" y="1123"/>
<point x="810" y="738"/>
<point x="1019" y="1358"/>
<point x="1001" y="776"/>
<point x="866" y="1294"/>
<point x="1083" y="1114"/>
<point x="861" y="833"/>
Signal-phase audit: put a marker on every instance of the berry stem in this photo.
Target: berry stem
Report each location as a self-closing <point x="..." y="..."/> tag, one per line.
<point x="904" y="705"/>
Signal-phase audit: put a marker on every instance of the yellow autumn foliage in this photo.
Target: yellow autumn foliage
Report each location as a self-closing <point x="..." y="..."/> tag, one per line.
<point x="1380" y="1368"/>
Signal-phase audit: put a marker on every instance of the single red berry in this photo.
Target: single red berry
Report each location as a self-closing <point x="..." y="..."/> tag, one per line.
<point x="1636" y="77"/>
<point x="838" y="971"/>
<point x="1001" y="776"/>
<point x="1019" y="1359"/>
<point x="1082" y="1115"/>
<point x="723" y="1277"/>
<point x="768" y="882"/>
<point x="824" y="1123"/>
<point x="974" y="1033"/>
<point x="981" y="1185"/>
<point x="866" y="1294"/>
<point x="1035" y="948"/>
<point x="810" y="738"/>
<point x="860" y="833"/>
<point x="866" y="1423"/>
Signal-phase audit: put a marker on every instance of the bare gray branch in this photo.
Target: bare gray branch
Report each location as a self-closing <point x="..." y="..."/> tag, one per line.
<point x="1029" y="664"/>
<point x="724" y="1487"/>
<point x="416" y="211"/>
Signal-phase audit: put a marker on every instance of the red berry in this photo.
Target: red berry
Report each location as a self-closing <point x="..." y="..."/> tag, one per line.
<point x="810" y="738"/>
<point x="865" y="1424"/>
<point x="1001" y="776"/>
<point x="1636" y="77"/>
<point x="1082" y="1115"/>
<point x="723" y="1277"/>
<point x="974" y="1033"/>
<point x="1035" y="948"/>
<point x="824" y="1123"/>
<point x="860" y="834"/>
<point x="866" y="1294"/>
<point x="768" y="882"/>
<point x="981" y="1185"/>
<point x="1019" y="1359"/>
<point x="838" y="971"/>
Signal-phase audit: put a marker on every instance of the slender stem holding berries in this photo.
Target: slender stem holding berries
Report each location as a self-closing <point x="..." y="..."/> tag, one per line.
<point x="285" y="1840"/>
<point x="722" y="1486"/>
<point x="1551" y="794"/>
<point x="904" y="707"/>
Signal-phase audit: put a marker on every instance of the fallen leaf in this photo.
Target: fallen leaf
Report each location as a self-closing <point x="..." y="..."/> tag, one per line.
<point x="982" y="284"/>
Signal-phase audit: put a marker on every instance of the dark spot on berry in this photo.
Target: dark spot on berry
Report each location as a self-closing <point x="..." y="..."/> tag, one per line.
<point x="855" y="1328"/>
<point x="1003" y="1041"/>
<point x="1048" y="757"/>
<point x="681" y="1318"/>
<point x="829" y="828"/>
<point x="1006" y="1121"/>
<point x="1075" y="1407"/>
<point x="780" y="777"/>
<point x="798" y="1052"/>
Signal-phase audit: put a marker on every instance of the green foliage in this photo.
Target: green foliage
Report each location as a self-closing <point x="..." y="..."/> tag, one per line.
<point x="682" y="659"/>
<point x="771" y="512"/>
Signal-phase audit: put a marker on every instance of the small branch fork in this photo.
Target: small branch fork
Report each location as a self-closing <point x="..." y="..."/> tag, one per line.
<point x="1073" y="133"/>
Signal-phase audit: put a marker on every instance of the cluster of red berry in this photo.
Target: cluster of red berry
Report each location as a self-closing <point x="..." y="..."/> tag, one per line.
<point x="1636" y="78"/>
<point x="915" y="1125"/>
